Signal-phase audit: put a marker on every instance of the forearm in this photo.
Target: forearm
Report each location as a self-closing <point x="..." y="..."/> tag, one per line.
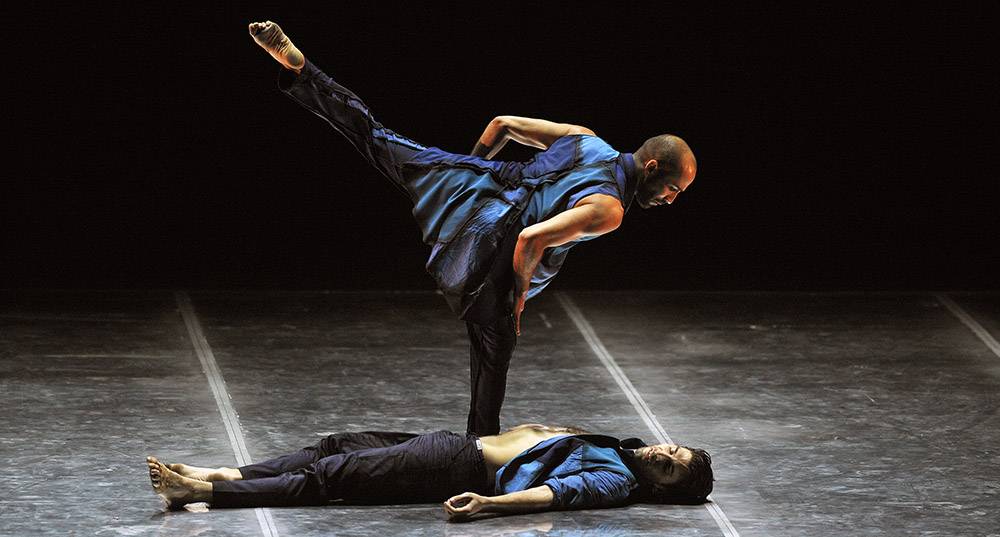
<point x="527" y="254"/>
<point x="494" y="137"/>
<point x="537" y="133"/>
<point x="524" y="501"/>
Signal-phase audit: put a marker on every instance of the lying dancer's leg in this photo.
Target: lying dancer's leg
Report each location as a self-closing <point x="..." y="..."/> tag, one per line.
<point x="334" y="444"/>
<point x="429" y="467"/>
<point x="340" y="107"/>
<point x="331" y="445"/>
<point x="175" y="489"/>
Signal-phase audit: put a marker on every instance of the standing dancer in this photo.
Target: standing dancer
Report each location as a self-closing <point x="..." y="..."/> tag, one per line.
<point x="499" y="231"/>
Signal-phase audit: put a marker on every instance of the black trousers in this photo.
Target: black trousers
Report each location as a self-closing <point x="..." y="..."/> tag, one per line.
<point x="490" y="351"/>
<point x="367" y="467"/>
<point x="493" y="339"/>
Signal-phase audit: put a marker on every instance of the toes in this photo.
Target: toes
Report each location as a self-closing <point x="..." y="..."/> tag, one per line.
<point x="163" y="470"/>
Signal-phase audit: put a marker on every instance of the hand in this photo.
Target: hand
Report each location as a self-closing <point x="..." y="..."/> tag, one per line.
<point x="518" y="308"/>
<point x="464" y="505"/>
<point x="520" y="297"/>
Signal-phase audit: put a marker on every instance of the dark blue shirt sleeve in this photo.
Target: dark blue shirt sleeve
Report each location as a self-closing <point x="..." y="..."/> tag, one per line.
<point x="600" y="488"/>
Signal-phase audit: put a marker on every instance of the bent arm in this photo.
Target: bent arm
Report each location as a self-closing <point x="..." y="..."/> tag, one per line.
<point x="594" y="215"/>
<point x="601" y="215"/>
<point x="538" y="133"/>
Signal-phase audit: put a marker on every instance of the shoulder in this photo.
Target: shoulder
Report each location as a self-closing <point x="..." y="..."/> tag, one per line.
<point x="603" y="204"/>
<point x="606" y="211"/>
<point x="577" y="129"/>
<point x="592" y="149"/>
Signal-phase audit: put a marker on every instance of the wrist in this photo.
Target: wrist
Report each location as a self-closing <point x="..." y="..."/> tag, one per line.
<point x="524" y="283"/>
<point x="481" y="149"/>
<point x="486" y="503"/>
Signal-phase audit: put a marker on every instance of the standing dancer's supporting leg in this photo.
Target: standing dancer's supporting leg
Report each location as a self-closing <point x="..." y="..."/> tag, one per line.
<point x="491" y="347"/>
<point x="492" y="339"/>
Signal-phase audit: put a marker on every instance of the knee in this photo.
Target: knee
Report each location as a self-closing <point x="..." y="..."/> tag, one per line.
<point x="333" y="444"/>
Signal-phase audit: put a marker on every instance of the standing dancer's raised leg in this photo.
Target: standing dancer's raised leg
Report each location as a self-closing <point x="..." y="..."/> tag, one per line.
<point x="445" y="188"/>
<point x="384" y="149"/>
<point x="269" y="36"/>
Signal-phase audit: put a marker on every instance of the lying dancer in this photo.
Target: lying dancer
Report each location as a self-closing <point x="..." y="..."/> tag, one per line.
<point x="499" y="231"/>
<point x="528" y="468"/>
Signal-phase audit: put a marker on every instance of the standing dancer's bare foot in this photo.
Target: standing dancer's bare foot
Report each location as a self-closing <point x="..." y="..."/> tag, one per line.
<point x="270" y="37"/>
<point x="175" y="489"/>
<point x="206" y="474"/>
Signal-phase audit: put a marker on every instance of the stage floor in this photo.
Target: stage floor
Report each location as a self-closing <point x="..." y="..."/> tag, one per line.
<point x="826" y="413"/>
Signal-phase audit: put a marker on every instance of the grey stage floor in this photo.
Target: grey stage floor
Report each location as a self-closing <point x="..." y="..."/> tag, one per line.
<point x="827" y="414"/>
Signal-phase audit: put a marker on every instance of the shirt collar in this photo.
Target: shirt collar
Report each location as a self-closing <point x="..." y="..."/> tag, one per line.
<point x="627" y="162"/>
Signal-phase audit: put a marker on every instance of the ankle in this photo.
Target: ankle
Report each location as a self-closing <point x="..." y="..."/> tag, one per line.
<point x="227" y="474"/>
<point x="202" y="492"/>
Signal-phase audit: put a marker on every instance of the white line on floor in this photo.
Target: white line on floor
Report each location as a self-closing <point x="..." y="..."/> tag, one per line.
<point x="222" y="399"/>
<point x="970" y="322"/>
<point x="633" y="396"/>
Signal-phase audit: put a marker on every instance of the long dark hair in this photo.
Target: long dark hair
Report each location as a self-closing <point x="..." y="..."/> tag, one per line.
<point x="693" y="489"/>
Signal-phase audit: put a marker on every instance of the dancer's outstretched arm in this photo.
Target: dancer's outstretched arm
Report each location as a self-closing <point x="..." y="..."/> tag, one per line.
<point x="468" y="504"/>
<point x="538" y="133"/>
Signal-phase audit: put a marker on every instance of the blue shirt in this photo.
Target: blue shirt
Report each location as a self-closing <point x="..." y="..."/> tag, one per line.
<point x="467" y="208"/>
<point x="583" y="471"/>
<point x="599" y="169"/>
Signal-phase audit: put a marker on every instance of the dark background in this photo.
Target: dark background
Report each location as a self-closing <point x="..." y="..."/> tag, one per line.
<point x="839" y="147"/>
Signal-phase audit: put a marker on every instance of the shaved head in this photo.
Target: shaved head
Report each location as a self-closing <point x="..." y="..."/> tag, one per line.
<point x="666" y="167"/>
<point x="670" y="152"/>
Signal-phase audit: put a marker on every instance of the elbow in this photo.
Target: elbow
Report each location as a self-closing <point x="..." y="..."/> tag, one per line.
<point x="500" y="125"/>
<point x="530" y="245"/>
<point x="529" y="239"/>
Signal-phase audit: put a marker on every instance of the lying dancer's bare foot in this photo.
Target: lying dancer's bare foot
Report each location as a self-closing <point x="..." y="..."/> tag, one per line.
<point x="175" y="489"/>
<point x="206" y="474"/>
<point x="270" y="37"/>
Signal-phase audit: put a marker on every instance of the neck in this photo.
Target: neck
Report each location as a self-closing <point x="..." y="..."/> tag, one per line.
<point x="635" y="464"/>
<point x="638" y="162"/>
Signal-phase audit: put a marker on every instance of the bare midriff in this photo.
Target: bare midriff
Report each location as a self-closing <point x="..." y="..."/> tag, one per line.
<point x="500" y="449"/>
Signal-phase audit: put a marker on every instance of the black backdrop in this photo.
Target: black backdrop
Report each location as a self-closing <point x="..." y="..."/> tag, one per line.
<point x="839" y="147"/>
